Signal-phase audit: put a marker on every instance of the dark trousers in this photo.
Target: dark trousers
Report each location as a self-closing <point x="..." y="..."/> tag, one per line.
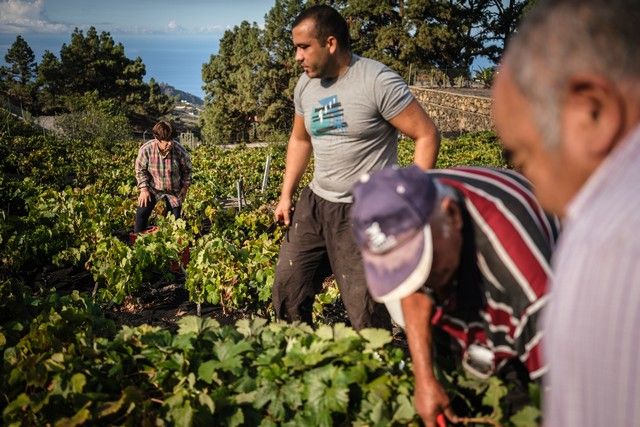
<point x="143" y="213"/>
<point x="319" y="241"/>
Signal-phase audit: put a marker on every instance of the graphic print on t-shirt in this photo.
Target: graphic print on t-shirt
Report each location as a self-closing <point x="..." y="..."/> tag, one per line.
<point x="328" y="116"/>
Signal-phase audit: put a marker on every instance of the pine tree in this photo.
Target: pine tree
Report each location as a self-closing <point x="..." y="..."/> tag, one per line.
<point x="17" y="77"/>
<point x="94" y="62"/>
<point x="157" y="103"/>
<point x="501" y="18"/>
<point x="377" y="30"/>
<point x="49" y="81"/>
<point x="233" y="83"/>
<point x="446" y="34"/>
<point x="21" y="61"/>
<point x="281" y="72"/>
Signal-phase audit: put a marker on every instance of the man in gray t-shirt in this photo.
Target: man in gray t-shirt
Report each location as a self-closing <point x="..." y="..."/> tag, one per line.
<point x="347" y="119"/>
<point x="348" y="113"/>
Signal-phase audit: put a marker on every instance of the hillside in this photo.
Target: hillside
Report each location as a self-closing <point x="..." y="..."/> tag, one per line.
<point x="169" y="90"/>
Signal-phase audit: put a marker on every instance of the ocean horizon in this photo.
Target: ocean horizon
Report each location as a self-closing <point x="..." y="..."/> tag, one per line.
<point x="175" y="59"/>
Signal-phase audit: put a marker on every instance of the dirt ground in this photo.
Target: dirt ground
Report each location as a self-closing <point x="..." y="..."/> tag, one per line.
<point x="164" y="301"/>
<point x="161" y="302"/>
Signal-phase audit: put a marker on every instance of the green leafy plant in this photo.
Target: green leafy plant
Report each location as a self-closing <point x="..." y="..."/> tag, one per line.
<point x="236" y="267"/>
<point x="65" y="363"/>
<point x="485" y="76"/>
<point x="475" y="149"/>
<point x="119" y="269"/>
<point x="69" y="366"/>
<point x="71" y="202"/>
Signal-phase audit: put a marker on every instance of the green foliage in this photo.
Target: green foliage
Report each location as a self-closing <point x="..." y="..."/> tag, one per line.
<point x="446" y="34"/>
<point x="157" y="104"/>
<point x="327" y="305"/>
<point x="281" y="72"/>
<point x="62" y="227"/>
<point x="234" y="268"/>
<point x="94" y="62"/>
<point x="90" y="158"/>
<point x="232" y="81"/>
<point x="59" y="196"/>
<point x="67" y="198"/>
<point x="44" y="158"/>
<point x="529" y="416"/>
<point x="89" y="63"/>
<point x="91" y="118"/>
<point x="476" y="149"/>
<point x="241" y="163"/>
<point x="377" y="31"/>
<point x="485" y="76"/>
<point x="21" y="61"/>
<point x="473" y="149"/>
<point x="233" y="256"/>
<point x="482" y="401"/>
<point x="501" y="21"/>
<point x="17" y="77"/>
<point x="119" y="269"/>
<point x="50" y="82"/>
<point x="67" y="365"/>
<point x="64" y="363"/>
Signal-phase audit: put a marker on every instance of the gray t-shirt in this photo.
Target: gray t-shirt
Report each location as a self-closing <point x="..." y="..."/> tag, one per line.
<point x="347" y="121"/>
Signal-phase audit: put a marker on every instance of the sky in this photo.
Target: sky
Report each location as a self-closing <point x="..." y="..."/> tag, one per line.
<point x="129" y="16"/>
<point x="173" y="37"/>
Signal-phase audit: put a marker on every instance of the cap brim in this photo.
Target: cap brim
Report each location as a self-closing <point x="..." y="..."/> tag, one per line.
<point x="400" y="272"/>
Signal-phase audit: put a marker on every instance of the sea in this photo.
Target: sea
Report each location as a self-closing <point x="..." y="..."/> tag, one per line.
<point x="175" y="59"/>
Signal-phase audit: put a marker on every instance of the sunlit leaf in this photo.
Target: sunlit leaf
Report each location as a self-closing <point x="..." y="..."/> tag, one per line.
<point x="376" y="338"/>
<point x="78" y="382"/>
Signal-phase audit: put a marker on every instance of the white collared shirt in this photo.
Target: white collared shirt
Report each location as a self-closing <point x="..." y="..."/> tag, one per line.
<point x="592" y="324"/>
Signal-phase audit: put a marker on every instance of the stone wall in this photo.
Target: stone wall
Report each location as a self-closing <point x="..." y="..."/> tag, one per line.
<point x="456" y="111"/>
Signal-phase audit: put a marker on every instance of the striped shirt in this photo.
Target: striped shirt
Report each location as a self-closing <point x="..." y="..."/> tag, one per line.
<point x="593" y="320"/>
<point x="164" y="176"/>
<point x="504" y="266"/>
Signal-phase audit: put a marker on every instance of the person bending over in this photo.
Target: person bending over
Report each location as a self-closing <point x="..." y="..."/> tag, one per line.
<point x="459" y="256"/>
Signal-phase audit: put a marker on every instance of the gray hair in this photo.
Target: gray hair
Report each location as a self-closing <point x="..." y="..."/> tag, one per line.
<point x="445" y="191"/>
<point x="562" y="38"/>
<point x="438" y="216"/>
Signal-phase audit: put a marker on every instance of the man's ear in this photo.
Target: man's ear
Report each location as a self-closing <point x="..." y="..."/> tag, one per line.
<point x="594" y="115"/>
<point x="452" y="212"/>
<point x="332" y="44"/>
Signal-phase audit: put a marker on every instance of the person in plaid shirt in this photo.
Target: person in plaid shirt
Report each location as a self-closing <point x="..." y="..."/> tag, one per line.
<point x="163" y="170"/>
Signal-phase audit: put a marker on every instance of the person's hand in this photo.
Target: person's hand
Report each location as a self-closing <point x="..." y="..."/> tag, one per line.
<point x="144" y="197"/>
<point x="283" y="211"/>
<point x="432" y="401"/>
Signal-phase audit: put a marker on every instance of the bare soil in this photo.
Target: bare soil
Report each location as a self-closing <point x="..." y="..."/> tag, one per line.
<point x="161" y="302"/>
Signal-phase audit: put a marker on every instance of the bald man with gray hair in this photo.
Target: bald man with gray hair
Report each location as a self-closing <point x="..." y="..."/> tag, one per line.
<point x="567" y="108"/>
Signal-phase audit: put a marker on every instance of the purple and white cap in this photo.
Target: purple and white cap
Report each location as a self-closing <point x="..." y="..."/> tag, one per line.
<point x="390" y="219"/>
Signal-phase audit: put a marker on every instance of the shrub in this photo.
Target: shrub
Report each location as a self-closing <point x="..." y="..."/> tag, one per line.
<point x="94" y="119"/>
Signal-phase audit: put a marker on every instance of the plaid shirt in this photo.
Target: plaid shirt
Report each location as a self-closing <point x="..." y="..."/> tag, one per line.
<point x="164" y="176"/>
